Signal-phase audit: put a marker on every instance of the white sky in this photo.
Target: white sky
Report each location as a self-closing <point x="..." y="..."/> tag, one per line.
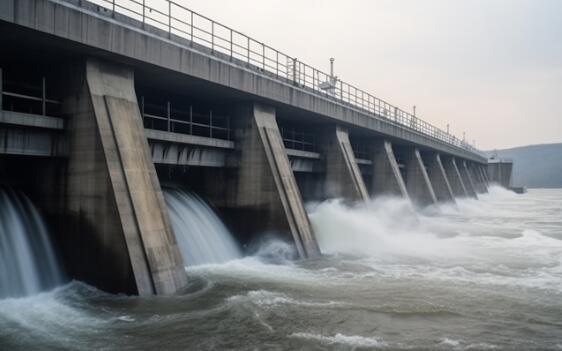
<point x="492" y="68"/>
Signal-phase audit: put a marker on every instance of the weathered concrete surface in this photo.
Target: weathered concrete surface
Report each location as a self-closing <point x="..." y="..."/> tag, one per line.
<point x="387" y="178"/>
<point x="482" y="170"/>
<point x="418" y="183"/>
<point x="467" y="179"/>
<point x="85" y="27"/>
<point x="113" y="194"/>
<point x="454" y="177"/>
<point x="438" y="178"/>
<point x="499" y="172"/>
<point x="343" y="178"/>
<point x="266" y="181"/>
<point x="478" y="179"/>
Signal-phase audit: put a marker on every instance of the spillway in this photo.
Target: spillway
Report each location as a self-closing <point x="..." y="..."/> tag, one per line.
<point x="201" y="235"/>
<point x="28" y="263"/>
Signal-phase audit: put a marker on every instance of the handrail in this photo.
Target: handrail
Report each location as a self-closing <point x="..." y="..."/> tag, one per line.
<point x="178" y="20"/>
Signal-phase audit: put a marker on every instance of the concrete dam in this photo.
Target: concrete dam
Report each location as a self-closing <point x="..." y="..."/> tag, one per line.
<point x="114" y="113"/>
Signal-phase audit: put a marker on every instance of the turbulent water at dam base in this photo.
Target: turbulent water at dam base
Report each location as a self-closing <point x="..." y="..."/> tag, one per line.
<point x="482" y="275"/>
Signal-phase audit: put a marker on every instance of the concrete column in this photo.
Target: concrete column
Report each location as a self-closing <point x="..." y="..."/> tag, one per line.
<point x="467" y="180"/>
<point x="266" y="184"/>
<point x="455" y="178"/>
<point x="417" y="180"/>
<point x="439" y="180"/>
<point x="343" y="177"/>
<point x="387" y="179"/>
<point x="122" y="237"/>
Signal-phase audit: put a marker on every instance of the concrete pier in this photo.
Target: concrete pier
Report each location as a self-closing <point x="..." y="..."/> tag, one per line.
<point x="438" y="178"/>
<point x="266" y="185"/>
<point x="499" y="172"/>
<point x="477" y="176"/>
<point x="343" y="178"/>
<point x="387" y="178"/>
<point x="454" y="177"/>
<point x="124" y="241"/>
<point x="467" y="180"/>
<point x="417" y="180"/>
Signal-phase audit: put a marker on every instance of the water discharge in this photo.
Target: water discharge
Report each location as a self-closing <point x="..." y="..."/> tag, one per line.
<point x="201" y="235"/>
<point x="28" y="263"/>
<point x="481" y="275"/>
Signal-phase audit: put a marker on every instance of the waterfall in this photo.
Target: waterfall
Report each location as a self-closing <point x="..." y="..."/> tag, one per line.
<point x="27" y="260"/>
<point x="201" y="236"/>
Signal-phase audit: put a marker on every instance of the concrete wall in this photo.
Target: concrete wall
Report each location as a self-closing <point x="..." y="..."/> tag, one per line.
<point x="267" y="188"/>
<point x="499" y="172"/>
<point x="343" y="178"/>
<point x="120" y="226"/>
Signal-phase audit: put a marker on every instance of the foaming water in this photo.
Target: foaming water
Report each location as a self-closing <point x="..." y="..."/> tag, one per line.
<point x="201" y="235"/>
<point x="28" y="263"/>
<point x="480" y="275"/>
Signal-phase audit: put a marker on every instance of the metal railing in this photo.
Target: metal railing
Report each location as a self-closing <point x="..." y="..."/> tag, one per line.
<point x="178" y="21"/>
<point x="27" y="97"/>
<point x="298" y="140"/>
<point x="185" y="120"/>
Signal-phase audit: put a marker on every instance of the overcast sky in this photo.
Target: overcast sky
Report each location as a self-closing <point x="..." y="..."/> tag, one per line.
<point x="492" y="68"/>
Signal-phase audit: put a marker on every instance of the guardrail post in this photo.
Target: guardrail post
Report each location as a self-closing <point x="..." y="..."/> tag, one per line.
<point x="263" y="55"/>
<point x="1" y="91"/>
<point x="143" y="13"/>
<point x="231" y="45"/>
<point x="212" y="36"/>
<point x="168" y="114"/>
<point x="113" y="9"/>
<point x="248" y="49"/>
<point x="210" y="123"/>
<point x="44" y="97"/>
<point x="295" y="70"/>
<point x="170" y="19"/>
<point x="191" y="23"/>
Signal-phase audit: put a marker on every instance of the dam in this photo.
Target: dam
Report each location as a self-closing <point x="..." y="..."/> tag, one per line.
<point x="105" y="105"/>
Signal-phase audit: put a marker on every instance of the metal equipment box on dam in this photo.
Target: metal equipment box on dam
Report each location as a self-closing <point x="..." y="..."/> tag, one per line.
<point x="105" y="103"/>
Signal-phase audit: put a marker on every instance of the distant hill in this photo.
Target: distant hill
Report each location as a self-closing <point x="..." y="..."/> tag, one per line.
<point x="535" y="166"/>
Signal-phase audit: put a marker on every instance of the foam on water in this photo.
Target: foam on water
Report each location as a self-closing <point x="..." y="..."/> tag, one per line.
<point x="201" y="235"/>
<point x="27" y="260"/>
<point x="470" y="240"/>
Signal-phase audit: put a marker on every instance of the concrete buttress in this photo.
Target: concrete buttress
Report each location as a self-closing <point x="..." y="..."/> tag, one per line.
<point x="120" y="220"/>
<point x="439" y="180"/>
<point x="266" y="181"/>
<point x="418" y="183"/>
<point x="343" y="177"/>
<point x="455" y="178"/>
<point x="467" y="180"/>
<point x="387" y="179"/>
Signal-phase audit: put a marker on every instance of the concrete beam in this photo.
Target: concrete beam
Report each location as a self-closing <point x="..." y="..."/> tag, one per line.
<point x="454" y="177"/>
<point x="439" y="180"/>
<point x="418" y="183"/>
<point x="467" y="179"/>
<point x="123" y="237"/>
<point x="30" y="120"/>
<point x="343" y="177"/>
<point x="266" y="181"/>
<point x="387" y="178"/>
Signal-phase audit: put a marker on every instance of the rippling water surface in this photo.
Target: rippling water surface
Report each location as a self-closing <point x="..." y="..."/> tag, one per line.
<point x="483" y="275"/>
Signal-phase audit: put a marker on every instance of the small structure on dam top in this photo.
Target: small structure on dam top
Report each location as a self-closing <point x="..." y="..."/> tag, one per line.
<point x="108" y="105"/>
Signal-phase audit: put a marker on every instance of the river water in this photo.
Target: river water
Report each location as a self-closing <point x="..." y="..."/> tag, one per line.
<point x="484" y="275"/>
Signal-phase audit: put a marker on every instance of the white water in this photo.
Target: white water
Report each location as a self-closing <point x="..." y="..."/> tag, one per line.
<point x="482" y="275"/>
<point x="201" y="235"/>
<point x="27" y="260"/>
